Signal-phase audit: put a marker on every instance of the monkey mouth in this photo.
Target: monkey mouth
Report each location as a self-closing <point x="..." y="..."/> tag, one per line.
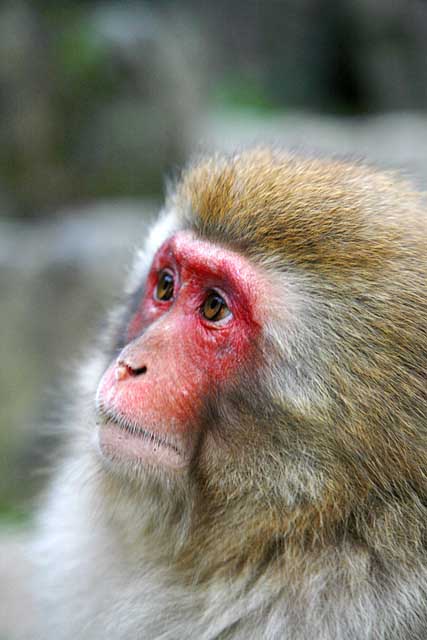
<point x="137" y="431"/>
<point x="120" y="439"/>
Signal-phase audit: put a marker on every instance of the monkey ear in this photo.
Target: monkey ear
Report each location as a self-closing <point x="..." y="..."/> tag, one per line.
<point x="166" y="225"/>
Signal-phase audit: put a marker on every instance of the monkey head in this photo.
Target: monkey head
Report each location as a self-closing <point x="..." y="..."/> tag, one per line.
<point x="273" y="346"/>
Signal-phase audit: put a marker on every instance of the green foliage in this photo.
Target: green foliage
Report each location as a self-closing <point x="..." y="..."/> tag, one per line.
<point x="241" y="92"/>
<point x="13" y="515"/>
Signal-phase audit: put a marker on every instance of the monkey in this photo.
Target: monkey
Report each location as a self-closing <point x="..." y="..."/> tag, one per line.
<point x="247" y="450"/>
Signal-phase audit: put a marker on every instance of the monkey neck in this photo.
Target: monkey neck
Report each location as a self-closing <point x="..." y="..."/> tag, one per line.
<point x="292" y="548"/>
<point x="219" y="539"/>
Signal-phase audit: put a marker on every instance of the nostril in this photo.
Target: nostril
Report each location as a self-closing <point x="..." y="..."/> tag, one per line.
<point x="123" y="370"/>
<point x="140" y="371"/>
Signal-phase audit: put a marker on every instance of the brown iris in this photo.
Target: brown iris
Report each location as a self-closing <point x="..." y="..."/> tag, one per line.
<point x="164" y="289"/>
<point x="214" y="308"/>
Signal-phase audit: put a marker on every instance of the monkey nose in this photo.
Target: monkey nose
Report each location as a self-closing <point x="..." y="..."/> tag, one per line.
<point x="124" y="370"/>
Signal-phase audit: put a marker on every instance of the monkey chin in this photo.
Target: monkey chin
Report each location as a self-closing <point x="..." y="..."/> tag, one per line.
<point x="122" y="443"/>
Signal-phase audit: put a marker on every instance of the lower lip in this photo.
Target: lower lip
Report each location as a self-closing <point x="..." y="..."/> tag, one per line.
<point x="119" y="444"/>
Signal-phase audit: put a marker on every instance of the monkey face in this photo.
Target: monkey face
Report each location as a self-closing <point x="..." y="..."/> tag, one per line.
<point x="192" y="332"/>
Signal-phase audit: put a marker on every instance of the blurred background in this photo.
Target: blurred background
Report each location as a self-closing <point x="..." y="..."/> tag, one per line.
<point x="101" y="101"/>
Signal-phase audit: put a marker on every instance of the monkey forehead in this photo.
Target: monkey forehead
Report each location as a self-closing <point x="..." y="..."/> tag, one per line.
<point x="203" y="255"/>
<point x="324" y="214"/>
<point x="211" y="259"/>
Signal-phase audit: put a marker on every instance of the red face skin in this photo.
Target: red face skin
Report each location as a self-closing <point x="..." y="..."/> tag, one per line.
<point x="152" y="396"/>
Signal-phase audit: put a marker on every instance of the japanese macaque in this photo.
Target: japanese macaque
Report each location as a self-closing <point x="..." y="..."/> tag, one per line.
<point x="248" y="456"/>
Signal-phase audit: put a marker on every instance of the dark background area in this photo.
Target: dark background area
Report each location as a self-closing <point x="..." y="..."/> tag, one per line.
<point x="100" y="99"/>
<point x="99" y="102"/>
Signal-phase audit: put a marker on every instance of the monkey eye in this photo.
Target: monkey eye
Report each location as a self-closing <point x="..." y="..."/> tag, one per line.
<point x="164" y="289"/>
<point x="215" y="308"/>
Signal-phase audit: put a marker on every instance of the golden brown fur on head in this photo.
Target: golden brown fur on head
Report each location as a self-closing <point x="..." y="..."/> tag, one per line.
<point x="329" y="214"/>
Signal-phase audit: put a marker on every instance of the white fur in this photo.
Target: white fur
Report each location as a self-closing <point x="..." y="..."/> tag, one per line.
<point x="167" y="224"/>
